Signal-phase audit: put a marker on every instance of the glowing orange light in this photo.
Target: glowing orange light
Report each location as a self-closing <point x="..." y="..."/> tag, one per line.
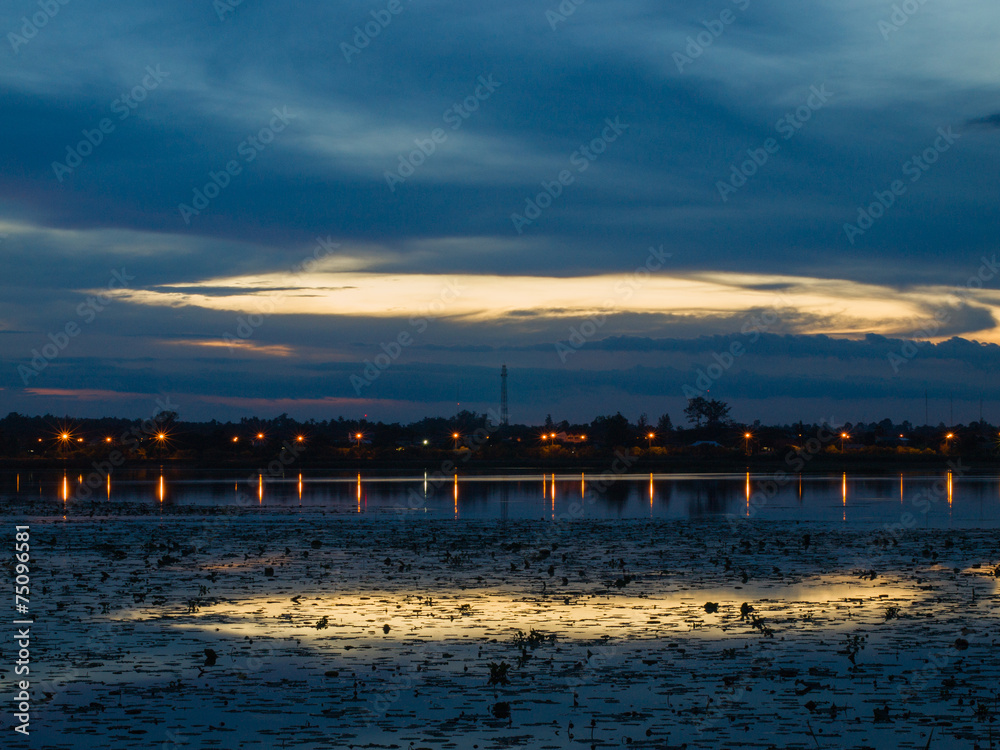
<point x="107" y="440"/>
<point x="260" y="435"/>
<point x="843" y="490"/>
<point x="748" y="494"/>
<point x="79" y="440"/>
<point x="746" y="435"/>
<point x="949" y="436"/>
<point x="161" y="436"/>
<point x="236" y="440"/>
<point x="300" y="439"/>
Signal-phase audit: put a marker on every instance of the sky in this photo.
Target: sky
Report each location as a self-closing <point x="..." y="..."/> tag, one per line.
<point x="366" y="208"/>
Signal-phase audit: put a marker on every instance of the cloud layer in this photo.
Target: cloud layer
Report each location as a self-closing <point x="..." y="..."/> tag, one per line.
<point x="340" y="169"/>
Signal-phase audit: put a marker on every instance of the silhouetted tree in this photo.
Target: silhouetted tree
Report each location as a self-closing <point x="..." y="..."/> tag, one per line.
<point x="611" y="430"/>
<point x="711" y="412"/>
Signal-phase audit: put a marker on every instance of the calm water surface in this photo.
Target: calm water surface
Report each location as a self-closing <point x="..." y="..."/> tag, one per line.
<point x="929" y="499"/>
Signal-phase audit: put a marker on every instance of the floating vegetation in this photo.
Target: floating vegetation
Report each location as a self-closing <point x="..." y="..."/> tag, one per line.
<point x="351" y="646"/>
<point x="498" y="673"/>
<point x="533" y="639"/>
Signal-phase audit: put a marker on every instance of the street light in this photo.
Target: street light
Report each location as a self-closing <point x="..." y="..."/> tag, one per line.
<point x="649" y="439"/>
<point x="947" y="442"/>
<point x="843" y="437"/>
<point x="358" y="437"/>
<point x="454" y="436"/>
<point x="64" y="439"/>
<point x="746" y="441"/>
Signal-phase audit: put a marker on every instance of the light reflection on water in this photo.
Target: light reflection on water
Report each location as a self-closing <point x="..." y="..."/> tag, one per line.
<point x="915" y="500"/>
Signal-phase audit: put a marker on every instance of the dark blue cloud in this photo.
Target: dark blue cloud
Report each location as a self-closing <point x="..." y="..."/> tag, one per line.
<point x="324" y="175"/>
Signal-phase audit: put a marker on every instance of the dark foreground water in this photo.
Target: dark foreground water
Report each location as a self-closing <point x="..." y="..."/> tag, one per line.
<point x="928" y="500"/>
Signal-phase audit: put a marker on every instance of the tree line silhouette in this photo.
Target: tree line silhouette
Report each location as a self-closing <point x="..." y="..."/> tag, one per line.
<point x="709" y="431"/>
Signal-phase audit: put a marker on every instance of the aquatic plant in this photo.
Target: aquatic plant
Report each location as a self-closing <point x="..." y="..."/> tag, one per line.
<point x="533" y="639"/>
<point x="498" y="673"/>
<point x="758" y="624"/>
<point x="854" y="645"/>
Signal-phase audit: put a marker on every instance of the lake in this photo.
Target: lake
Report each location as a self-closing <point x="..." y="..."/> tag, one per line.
<point x="333" y="611"/>
<point x="931" y="500"/>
